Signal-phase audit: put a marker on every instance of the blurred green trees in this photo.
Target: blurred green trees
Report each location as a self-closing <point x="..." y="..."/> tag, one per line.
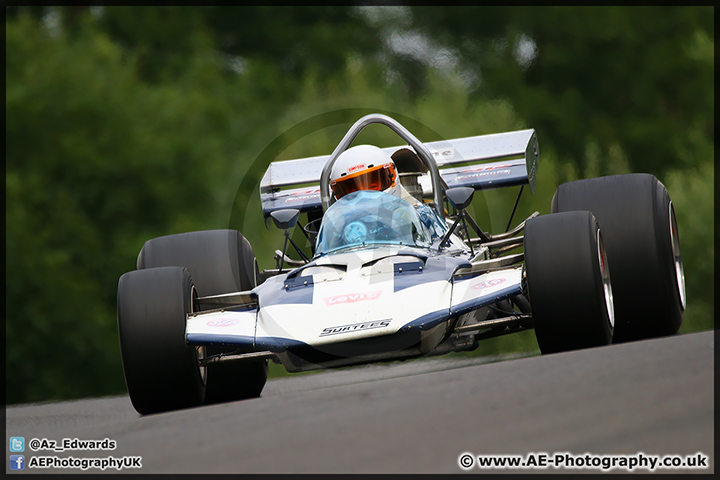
<point x="126" y="123"/>
<point x="612" y="75"/>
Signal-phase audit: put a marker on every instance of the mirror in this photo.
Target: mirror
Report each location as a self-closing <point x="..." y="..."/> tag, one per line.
<point x="460" y="197"/>
<point x="285" y="219"/>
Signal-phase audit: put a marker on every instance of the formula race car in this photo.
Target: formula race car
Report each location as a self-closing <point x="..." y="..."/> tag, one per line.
<point x="393" y="276"/>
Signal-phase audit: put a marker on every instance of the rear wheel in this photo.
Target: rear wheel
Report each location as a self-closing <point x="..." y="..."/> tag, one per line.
<point x="220" y="261"/>
<point x="568" y="282"/>
<point x="638" y="223"/>
<point x="161" y="370"/>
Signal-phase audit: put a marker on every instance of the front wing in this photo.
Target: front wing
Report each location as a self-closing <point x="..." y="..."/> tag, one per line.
<point x="331" y="315"/>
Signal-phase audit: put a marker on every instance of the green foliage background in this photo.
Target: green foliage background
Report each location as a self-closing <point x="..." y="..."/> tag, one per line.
<point x="127" y="123"/>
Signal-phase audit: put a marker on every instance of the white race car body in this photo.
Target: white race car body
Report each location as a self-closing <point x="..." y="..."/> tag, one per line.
<point x="359" y="306"/>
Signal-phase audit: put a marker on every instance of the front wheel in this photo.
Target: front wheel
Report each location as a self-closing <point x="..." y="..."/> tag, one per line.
<point x="568" y="282"/>
<point x="641" y="233"/>
<point x="220" y="261"/>
<point x="161" y="370"/>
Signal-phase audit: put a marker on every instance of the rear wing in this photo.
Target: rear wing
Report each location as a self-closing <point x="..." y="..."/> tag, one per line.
<point x="481" y="162"/>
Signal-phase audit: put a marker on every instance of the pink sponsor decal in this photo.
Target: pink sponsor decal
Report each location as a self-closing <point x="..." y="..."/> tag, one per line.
<point x="306" y="192"/>
<point x="222" y="322"/>
<point x="488" y="283"/>
<point x="484" y="168"/>
<point x="353" y="297"/>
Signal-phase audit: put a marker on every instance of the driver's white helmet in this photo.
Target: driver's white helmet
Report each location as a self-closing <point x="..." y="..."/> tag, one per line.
<point x="363" y="167"/>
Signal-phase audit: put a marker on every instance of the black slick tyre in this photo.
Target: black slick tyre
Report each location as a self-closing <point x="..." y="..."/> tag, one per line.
<point x="568" y="282"/>
<point x="220" y="261"/>
<point x="638" y="223"/>
<point x="161" y="370"/>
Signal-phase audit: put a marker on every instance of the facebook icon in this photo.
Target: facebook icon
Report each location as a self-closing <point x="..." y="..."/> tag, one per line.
<point x="17" y="462"/>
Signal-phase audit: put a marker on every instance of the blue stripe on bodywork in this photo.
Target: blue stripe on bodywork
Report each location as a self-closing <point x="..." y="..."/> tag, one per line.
<point x="428" y="321"/>
<point x="483" y="301"/>
<point x="298" y="295"/>
<point x="482" y="179"/>
<point x="277" y="344"/>
<point x="273" y="344"/>
<point x="279" y="291"/>
<point x="435" y="268"/>
<point x="215" y="339"/>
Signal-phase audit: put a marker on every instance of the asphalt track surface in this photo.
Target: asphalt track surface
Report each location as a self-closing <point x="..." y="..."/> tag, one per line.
<point x="654" y="397"/>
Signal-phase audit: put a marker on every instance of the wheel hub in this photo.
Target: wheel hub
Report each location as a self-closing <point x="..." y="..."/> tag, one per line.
<point x="605" y="275"/>
<point x="677" y="257"/>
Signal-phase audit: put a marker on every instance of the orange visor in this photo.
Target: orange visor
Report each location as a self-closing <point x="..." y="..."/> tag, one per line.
<point x="375" y="178"/>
